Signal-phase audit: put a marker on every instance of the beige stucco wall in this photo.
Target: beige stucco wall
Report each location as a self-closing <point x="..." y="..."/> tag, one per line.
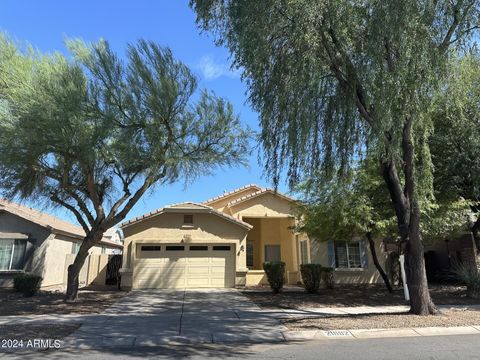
<point x="168" y="228"/>
<point x="59" y="256"/>
<point x="266" y="204"/>
<point x="370" y="275"/>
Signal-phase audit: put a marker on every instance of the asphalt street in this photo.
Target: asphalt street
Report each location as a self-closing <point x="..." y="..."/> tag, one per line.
<point x="460" y="347"/>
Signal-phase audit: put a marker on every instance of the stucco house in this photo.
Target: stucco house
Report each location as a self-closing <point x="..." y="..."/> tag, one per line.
<point x="32" y="241"/>
<point x="224" y="241"/>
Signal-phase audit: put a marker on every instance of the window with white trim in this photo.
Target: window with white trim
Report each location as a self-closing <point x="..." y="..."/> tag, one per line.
<point x="12" y="254"/>
<point x="303" y="252"/>
<point x="348" y="255"/>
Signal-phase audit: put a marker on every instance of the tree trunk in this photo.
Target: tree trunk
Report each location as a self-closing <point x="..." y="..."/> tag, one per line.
<point x="420" y="300"/>
<point x="384" y="276"/>
<point x="476" y="232"/>
<point x="407" y="211"/>
<point x="88" y="242"/>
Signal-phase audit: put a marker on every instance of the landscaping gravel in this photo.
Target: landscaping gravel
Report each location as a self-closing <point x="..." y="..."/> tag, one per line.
<point x="451" y="317"/>
<point x="14" y="303"/>
<point x="352" y="295"/>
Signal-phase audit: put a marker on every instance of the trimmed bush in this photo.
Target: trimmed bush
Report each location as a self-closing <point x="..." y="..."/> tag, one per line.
<point x="28" y="284"/>
<point x="470" y="276"/>
<point x="329" y="277"/>
<point x="275" y="271"/>
<point x="311" y="277"/>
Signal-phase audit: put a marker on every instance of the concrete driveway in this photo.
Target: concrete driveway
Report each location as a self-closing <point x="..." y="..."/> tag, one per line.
<point x="157" y="317"/>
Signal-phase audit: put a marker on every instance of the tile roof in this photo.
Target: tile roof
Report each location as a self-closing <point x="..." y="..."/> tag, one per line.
<point x="258" y="193"/>
<point x="47" y="221"/>
<point x="186" y="206"/>
<point x="228" y="193"/>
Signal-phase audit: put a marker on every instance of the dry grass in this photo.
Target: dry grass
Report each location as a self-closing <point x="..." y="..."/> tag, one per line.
<point x="446" y="318"/>
<point x="13" y="303"/>
<point x="353" y="295"/>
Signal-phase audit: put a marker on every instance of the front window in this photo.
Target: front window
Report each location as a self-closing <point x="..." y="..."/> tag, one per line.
<point x="12" y="254"/>
<point x="347" y="254"/>
<point x="249" y="254"/>
<point x="272" y="253"/>
<point x="304" y="252"/>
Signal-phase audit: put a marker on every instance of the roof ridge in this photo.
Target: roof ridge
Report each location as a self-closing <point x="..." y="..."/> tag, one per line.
<point x="231" y="192"/>
<point x="259" y="192"/>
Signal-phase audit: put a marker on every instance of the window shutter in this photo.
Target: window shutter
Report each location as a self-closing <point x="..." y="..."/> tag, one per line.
<point x="331" y="254"/>
<point x="364" y="254"/>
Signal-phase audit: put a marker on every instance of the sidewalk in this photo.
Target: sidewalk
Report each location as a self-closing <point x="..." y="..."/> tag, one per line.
<point x="253" y="325"/>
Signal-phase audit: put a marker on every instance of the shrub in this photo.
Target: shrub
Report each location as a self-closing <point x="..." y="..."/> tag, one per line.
<point x="28" y="284"/>
<point x="311" y="276"/>
<point x="329" y="277"/>
<point x="470" y="276"/>
<point x="275" y="271"/>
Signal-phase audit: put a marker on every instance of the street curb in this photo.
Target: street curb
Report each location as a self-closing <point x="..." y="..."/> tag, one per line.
<point x="308" y="335"/>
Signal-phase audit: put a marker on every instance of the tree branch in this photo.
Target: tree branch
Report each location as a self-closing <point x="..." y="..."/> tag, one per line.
<point x="54" y="197"/>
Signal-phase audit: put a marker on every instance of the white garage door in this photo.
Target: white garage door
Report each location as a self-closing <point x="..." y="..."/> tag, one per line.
<point x="184" y="266"/>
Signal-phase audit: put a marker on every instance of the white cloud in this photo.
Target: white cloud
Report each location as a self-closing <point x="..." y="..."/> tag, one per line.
<point x="212" y="70"/>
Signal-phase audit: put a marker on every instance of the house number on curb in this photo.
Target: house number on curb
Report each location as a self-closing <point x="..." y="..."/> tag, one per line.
<point x="337" y="333"/>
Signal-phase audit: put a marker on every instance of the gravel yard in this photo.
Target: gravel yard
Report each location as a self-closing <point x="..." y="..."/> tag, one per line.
<point x="352" y="295"/>
<point x="403" y="320"/>
<point x="13" y="303"/>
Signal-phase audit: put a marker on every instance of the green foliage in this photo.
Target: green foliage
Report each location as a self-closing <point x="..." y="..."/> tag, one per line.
<point x="311" y="276"/>
<point x="445" y="220"/>
<point x="470" y="276"/>
<point x="28" y="284"/>
<point x="93" y="132"/>
<point x="333" y="78"/>
<point x="275" y="271"/>
<point x="455" y="142"/>
<point x="347" y="207"/>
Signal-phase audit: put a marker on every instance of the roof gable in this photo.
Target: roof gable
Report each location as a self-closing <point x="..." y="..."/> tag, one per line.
<point x="186" y="207"/>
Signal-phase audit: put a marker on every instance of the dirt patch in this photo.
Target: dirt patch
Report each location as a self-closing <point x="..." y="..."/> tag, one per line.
<point x="401" y="320"/>
<point x="353" y="295"/>
<point x="37" y="331"/>
<point x="13" y="303"/>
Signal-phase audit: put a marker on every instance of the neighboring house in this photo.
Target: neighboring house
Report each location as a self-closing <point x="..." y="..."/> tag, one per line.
<point x="222" y="242"/>
<point x="32" y="241"/>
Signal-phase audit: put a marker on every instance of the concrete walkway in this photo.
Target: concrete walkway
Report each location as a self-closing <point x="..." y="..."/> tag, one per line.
<point x="157" y="317"/>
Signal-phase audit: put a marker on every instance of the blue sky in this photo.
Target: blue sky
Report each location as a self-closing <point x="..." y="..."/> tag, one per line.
<point x="45" y="24"/>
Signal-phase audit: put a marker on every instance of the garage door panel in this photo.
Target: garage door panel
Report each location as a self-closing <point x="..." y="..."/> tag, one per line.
<point x="198" y="260"/>
<point x="183" y="269"/>
<point x="198" y="270"/>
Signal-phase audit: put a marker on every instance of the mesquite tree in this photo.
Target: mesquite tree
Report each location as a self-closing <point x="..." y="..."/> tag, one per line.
<point x="93" y="132"/>
<point x="331" y="78"/>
